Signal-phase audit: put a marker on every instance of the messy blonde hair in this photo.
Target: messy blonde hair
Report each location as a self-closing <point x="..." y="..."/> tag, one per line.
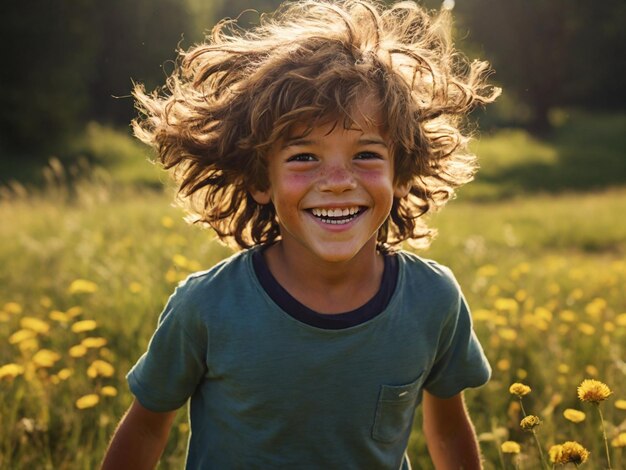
<point x="231" y="98"/>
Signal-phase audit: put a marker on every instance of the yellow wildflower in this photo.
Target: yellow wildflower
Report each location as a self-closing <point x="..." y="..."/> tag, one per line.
<point x="620" y="404"/>
<point x="180" y="261"/>
<point x="78" y="351"/>
<point x="569" y="452"/>
<point x="100" y="368"/>
<point x="167" y="222"/>
<point x="555" y="453"/>
<point x="108" y="391"/>
<point x="65" y="374"/>
<point x="488" y="270"/>
<point x="84" y="325"/>
<point x="11" y="370"/>
<point x="93" y="342"/>
<point x="510" y="447"/>
<point x="12" y="307"/>
<point x="504" y="303"/>
<point x="29" y="345"/>
<point x="135" y="287"/>
<point x="567" y="316"/>
<point x="82" y="286"/>
<point x="21" y="335"/>
<point x="507" y="334"/>
<point x="519" y="389"/>
<point x="59" y="316"/>
<point x="563" y="368"/>
<point x="73" y="312"/>
<point x="593" y="391"/>
<point x="620" y="440"/>
<point x="34" y="324"/>
<point x="45" y="358"/>
<point x="530" y="422"/>
<point x="45" y="301"/>
<point x="503" y="364"/>
<point x="591" y="370"/>
<point x="87" y="401"/>
<point x="586" y="329"/>
<point x="621" y="319"/>
<point x="575" y="416"/>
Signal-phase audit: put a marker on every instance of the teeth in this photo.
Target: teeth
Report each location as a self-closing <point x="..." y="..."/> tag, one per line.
<point x="334" y="212"/>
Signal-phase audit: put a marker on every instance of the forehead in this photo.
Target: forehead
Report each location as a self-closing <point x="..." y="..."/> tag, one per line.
<point x="364" y="116"/>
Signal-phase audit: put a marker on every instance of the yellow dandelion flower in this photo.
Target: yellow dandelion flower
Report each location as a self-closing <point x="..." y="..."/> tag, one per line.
<point x="45" y="301"/>
<point x="45" y="358"/>
<point x="530" y="422"/>
<point x="65" y="373"/>
<point x="572" y="452"/>
<point x="620" y="319"/>
<point x="488" y="270"/>
<point x="108" y="391"/>
<point x="507" y="304"/>
<point x="21" y="335"/>
<point x="87" y="401"/>
<point x="543" y="313"/>
<point x="75" y="311"/>
<point x="591" y="370"/>
<point x="575" y="416"/>
<point x="107" y="354"/>
<point x="521" y="295"/>
<point x="135" y="287"/>
<point x="11" y="370"/>
<point x="493" y="290"/>
<point x="482" y="314"/>
<point x="29" y="345"/>
<point x="167" y="222"/>
<point x="507" y="334"/>
<point x="59" y="316"/>
<point x="519" y="389"/>
<point x="93" y="342"/>
<point x="77" y="351"/>
<point x="82" y="286"/>
<point x="577" y="294"/>
<point x="180" y="261"/>
<point x="620" y="404"/>
<point x="503" y="365"/>
<point x="620" y="440"/>
<point x="34" y="324"/>
<point x="586" y="329"/>
<point x="595" y="308"/>
<point x="609" y="327"/>
<point x="563" y="368"/>
<point x="510" y="447"/>
<point x="568" y="316"/>
<point x="13" y="308"/>
<point x="84" y="325"/>
<point x="555" y="453"/>
<point x="100" y="368"/>
<point x="593" y="391"/>
<point x="522" y="374"/>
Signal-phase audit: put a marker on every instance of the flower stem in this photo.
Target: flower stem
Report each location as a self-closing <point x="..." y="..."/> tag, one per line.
<point x="543" y="462"/>
<point x="606" y="442"/>
<point x="522" y="406"/>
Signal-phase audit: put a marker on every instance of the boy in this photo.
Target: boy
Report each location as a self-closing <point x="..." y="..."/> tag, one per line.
<point x="315" y="141"/>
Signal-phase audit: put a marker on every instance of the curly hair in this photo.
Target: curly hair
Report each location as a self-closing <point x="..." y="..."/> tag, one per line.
<point x="231" y="98"/>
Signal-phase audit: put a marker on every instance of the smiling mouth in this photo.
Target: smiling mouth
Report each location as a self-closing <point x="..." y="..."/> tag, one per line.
<point x="337" y="216"/>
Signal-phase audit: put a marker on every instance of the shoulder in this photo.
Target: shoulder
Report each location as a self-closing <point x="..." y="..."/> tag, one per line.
<point x="427" y="274"/>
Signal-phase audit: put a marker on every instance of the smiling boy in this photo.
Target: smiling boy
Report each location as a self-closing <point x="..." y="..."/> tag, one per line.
<point x="315" y="141"/>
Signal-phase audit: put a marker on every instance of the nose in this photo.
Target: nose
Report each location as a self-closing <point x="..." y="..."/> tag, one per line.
<point x="336" y="179"/>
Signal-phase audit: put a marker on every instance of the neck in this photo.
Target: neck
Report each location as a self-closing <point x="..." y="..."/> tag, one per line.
<point x="327" y="287"/>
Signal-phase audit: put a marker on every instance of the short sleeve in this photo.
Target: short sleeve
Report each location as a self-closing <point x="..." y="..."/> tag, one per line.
<point x="167" y="374"/>
<point x="460" y="362"/>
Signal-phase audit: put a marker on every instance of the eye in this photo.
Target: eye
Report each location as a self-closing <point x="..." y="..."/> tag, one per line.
<point x="368" y="156"/>
<point x="302" y="157"/>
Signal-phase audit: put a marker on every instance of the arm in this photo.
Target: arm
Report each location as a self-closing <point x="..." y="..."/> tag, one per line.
<point x="139" y="440"/>
<point x="449" y="433"/>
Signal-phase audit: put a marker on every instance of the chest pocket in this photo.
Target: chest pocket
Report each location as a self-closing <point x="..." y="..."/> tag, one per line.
<point x="395" y="409"/>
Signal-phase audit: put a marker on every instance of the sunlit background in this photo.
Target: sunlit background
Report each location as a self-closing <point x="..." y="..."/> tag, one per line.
<point x="90" y="245"/>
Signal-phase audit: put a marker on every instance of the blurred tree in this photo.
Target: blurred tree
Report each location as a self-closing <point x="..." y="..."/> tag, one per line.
<point x="552" y="53"/>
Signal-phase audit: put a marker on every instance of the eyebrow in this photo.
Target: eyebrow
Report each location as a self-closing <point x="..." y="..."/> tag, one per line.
<point x="300" y="141"/>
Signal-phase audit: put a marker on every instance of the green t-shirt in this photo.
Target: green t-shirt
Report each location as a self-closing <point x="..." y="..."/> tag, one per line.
<point x="270" y="392"/>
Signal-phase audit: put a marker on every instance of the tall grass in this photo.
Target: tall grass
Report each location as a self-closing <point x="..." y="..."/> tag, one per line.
<point x="92" y="262"/>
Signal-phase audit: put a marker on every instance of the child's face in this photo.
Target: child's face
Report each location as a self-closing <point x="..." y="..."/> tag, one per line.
<point x="332" y="189"/>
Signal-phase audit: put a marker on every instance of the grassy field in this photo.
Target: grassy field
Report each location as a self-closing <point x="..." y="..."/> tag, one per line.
<point x="537" y="242"/>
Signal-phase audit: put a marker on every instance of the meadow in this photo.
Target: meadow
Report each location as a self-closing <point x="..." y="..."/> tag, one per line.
<point x="538" y="243"/>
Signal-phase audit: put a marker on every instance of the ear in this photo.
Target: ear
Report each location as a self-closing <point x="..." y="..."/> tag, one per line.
<point x="261" y="197"/>
<point x="401" y="190"/>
